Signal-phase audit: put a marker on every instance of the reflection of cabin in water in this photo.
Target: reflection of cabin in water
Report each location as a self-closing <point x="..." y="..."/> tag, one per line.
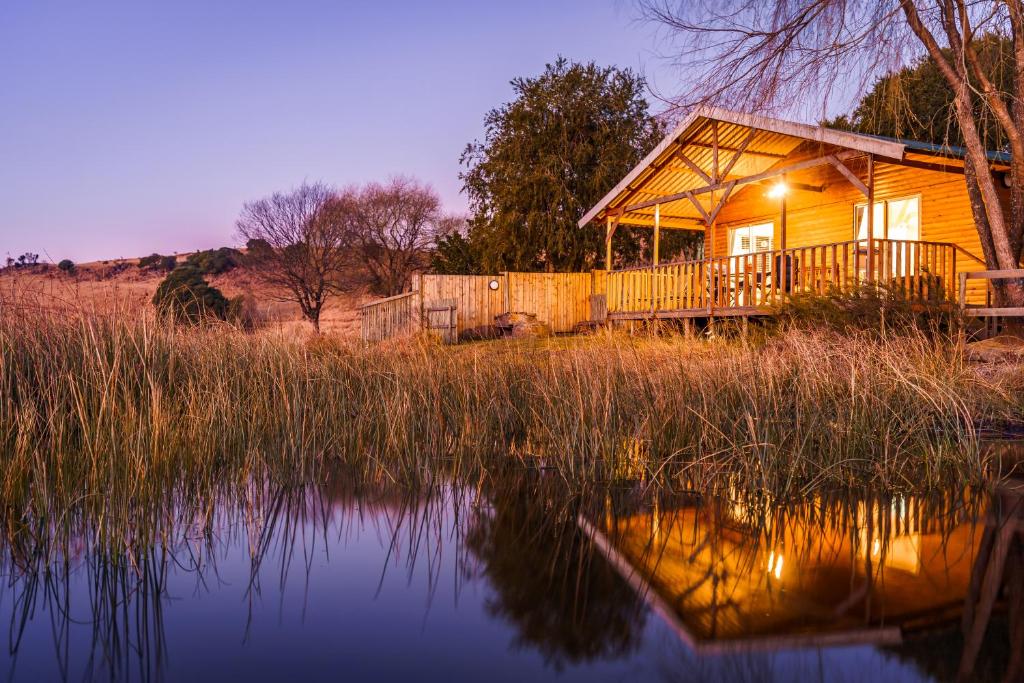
<point x="782" y="207"/>
<point x="731" y="579"/>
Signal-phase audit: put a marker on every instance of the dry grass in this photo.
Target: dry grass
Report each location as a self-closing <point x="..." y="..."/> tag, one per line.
<point x="121" y="288"/>
<point x="115" y="408"/>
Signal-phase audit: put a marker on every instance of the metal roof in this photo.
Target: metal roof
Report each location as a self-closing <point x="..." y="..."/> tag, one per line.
<point x="764" y="143"/>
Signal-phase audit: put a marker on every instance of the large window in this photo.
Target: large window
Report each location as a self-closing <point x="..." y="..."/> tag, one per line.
<point x="751" y="239"/>
<point x="895" y="219"/>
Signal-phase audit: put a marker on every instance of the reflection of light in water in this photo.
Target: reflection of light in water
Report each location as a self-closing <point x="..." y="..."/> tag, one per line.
<point x="901" y="546"/>
<point x="775" y="564"/>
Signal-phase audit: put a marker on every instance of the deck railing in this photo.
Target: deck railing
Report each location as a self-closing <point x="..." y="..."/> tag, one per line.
<point x="924" y="271"/>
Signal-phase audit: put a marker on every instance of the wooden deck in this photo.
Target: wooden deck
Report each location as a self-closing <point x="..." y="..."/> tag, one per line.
<point x="752" y="284"/>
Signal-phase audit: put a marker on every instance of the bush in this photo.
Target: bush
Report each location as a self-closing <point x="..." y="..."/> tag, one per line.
<point x="870" y="307"/>
<point x="185" y="297"/>
<point x="158" y="262"/>
<point x="215" y="261"/>
<point x="243" y="312"/>
<point x="67" y="266"/>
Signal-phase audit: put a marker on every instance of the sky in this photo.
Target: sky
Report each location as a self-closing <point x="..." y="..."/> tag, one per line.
<point x="128" y="127"/>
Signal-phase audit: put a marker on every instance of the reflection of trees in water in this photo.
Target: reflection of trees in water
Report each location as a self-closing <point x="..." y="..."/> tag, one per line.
<point x="547" y="579"/>
<point x="118" y="561"/>
<point x="109" y="568"/>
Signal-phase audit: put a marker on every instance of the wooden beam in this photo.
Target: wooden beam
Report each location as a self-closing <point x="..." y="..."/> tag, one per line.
<point x="808" y="163"/>
<point x="849" y="175"/>
<point x="739" y="151"/>
<point x="929" y="166"/>
<point x="657" y="232"/>
<point x="721" y="202"/>
<point x="703" y="212"/>
<point x="870" y="192"/>
<point x="996" y="274"/>
<point x="695" y="168"/>
<point x="714" y="152"/>
<point x="722" y="149"/>
<point x="782" y="218"/>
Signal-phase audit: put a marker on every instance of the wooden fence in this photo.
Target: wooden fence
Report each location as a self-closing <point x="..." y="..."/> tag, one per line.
<point x="395" y="316"/>
<point x="987" y="310"/>
<point x="477" y="301"/>
<point x="561" y="300"/>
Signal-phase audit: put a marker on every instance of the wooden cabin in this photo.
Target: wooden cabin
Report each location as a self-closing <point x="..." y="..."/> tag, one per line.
<point x="783" y="208"/>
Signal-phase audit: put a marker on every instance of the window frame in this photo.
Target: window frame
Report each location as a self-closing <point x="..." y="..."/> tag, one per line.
<point x="731" y="237"/>
<point x="885" y="216"/>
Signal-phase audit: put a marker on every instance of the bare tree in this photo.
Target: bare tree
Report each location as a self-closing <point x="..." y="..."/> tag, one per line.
<point x="300" y="244"/>
<point x="759" y="54"/>
<point x="396" y="228"/>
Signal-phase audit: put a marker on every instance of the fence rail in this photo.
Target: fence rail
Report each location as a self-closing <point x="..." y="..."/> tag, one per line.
<point x="988" y="310"/>
<point x="395" y="316"/>
<point x="924" y="271"/>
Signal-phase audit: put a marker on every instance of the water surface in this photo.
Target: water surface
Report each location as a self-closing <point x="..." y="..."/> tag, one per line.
<point x="515" y="583"/>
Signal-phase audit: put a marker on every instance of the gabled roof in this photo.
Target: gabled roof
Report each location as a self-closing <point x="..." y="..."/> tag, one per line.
<point x="764" y="141"/>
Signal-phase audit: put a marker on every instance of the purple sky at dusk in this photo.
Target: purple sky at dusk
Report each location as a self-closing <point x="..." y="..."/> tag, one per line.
<point x="135" y="126"/>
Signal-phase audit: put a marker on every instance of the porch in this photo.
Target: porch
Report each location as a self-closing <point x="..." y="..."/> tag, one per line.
<point x="787" y="209"/>
<point x="754" y="283"/>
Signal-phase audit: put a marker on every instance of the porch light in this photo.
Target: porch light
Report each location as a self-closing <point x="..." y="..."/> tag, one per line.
<point x="778" y="190"/>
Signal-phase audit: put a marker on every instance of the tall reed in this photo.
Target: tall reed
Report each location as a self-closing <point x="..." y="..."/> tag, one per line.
<point x="115" y="408"/>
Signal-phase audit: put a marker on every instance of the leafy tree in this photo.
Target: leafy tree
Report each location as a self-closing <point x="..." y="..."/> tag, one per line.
<point x="157" y="262"/>
<point x="185" y="297"/>
<point x="916" y="103"/>
<point x="66" y="266"/>
<point x="454" y="255"/>
<point x="215" y="261"/>
<point x="567" y="138"/>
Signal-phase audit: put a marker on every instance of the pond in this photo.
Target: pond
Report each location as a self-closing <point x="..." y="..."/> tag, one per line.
<point x="512" y="582"/>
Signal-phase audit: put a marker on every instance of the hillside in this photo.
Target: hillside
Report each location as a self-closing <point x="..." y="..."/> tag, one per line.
<point x="120" y="284"/>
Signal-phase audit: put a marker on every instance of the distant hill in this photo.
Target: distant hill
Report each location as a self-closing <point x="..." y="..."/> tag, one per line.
<point x="120" y="284"/>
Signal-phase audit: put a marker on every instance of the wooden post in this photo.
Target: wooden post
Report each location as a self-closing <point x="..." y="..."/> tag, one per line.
<point x="657" y="232"/>
<point x="871" y="218"/>
<point x="608" y="245"/>
<point x="782" y="218"/>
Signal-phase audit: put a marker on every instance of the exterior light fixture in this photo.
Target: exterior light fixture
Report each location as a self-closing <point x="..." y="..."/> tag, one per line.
<point x="493" y="285"/>
<point x="778" y="190"/>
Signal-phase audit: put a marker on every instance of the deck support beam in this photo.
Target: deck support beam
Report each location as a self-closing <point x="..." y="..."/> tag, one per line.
<point x="870" y="192"/>
<point x="657" y="233"/>
<point x="782" y="217"/>
<point x="612" y="225"/>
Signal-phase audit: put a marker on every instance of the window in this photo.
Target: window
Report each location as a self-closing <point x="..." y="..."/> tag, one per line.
<point x="894" y="219"/>
<point x="751" y="239"/>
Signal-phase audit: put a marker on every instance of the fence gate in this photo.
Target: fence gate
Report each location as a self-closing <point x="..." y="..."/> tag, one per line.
<point x="442" y="319"/>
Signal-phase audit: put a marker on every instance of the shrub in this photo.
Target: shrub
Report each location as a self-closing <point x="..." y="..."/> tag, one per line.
<point x="215" y="261"/>
<point x="243" y="312"/>
<point x="869" y="307"/>
<point x="157" y="262"/>
<point x="184" y="296"/>
<point x="67" y="266"/>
